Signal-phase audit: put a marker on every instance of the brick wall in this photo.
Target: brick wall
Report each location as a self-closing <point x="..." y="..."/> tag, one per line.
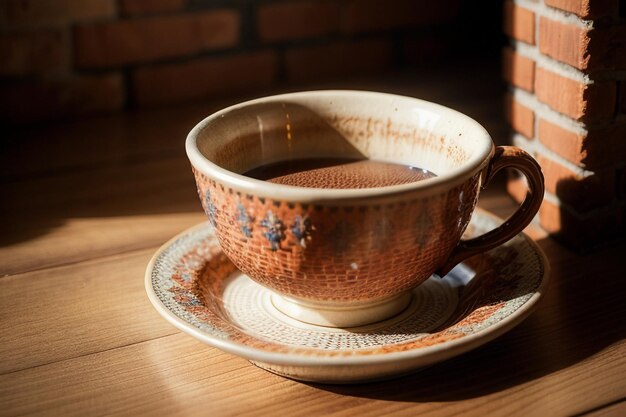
<point x="566" y="69"/>
<point x="62" y="58"/>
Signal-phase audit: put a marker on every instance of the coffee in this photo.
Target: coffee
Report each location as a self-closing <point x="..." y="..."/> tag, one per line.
<point x="338" y="173"/>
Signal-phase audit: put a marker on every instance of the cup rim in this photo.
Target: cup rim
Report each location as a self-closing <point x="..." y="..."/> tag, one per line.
<point x="257" y="187"/>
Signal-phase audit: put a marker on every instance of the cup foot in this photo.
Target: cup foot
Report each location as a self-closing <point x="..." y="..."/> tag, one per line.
<point x="329" y="315"/>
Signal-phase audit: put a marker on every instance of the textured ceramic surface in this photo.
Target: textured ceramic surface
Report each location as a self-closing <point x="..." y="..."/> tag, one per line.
<point x="334" y="252"/>
<point x="349" y="249"/>
<point x="339" y="173"/>
<point x="194" y="286"/>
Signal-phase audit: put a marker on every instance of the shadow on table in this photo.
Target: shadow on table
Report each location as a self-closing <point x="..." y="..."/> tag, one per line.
<point x="569" y="326"/>
<point x="108" y="166"/>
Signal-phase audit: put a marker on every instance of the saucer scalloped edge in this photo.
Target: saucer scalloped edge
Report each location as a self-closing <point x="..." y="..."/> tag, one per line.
<point x="195" y="287"/>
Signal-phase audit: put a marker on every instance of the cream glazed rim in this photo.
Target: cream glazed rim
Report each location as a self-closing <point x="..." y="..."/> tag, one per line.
<point x="416" y="357"/>
<point x="461" y="123"/>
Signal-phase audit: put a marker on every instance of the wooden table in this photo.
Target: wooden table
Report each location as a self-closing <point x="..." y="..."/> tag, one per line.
<point x="84" y="206"/>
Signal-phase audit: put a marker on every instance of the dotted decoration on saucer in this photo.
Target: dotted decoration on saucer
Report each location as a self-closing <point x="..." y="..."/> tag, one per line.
<point x="250" y="308"/>
<point x="195" y="281"/>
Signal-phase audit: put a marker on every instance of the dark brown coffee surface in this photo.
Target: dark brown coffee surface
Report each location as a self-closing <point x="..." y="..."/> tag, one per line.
<point x="338" y="173"/>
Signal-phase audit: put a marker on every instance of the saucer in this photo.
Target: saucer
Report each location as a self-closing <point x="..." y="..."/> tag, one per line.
<point x="195" y="287"/>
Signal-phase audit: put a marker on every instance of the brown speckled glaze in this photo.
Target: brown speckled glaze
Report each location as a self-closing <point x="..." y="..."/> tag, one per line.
<point x="354" y="253"/>
<point x="349" y="246"/>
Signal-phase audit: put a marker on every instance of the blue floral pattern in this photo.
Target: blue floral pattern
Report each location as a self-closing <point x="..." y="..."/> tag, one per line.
<point x="209" y="207"/>
<point x="275" y="230"/>
<point x="246" y="222"/>
<point x="301" y="229"/>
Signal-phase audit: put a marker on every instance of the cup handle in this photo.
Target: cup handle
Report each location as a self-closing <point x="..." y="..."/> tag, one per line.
<point x="503" y="157"/>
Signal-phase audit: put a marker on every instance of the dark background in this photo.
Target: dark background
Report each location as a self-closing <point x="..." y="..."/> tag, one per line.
<point x="72" y="59"/>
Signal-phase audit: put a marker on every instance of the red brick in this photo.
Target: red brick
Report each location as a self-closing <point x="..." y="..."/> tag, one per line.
<point x="518" y="70"/>
<point x="34" y="52"/>
<point x="566" y="43"/>
<point x="519" y="22"/>
<point x="48" y="100"/>
<point x="587" y="9"/>
<point x="583" y="48"/>
<point x="520" y="117"/>
<point x="568" y="144"/>
<point x="516" y="186"/>
<point x="592" y="149"/>
<point x="373" y="15"/>
<point x="338" y="59"/>
<point x="581" y="231"/>
<point x="41" y="12"/>
<point x="118" y="43"/>
<point x="143" y="7"/>
<point x="205" y="77"/>
<point x="303" y="19"/>
<point x="587" y="102"/>
<point x="582" y="193"/>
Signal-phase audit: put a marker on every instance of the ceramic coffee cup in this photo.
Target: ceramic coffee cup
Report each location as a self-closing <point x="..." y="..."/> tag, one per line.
<point x="347" y="257"/>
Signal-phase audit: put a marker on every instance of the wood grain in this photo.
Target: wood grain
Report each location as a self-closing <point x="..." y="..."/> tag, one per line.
<point x="77" y="309"/>
<point x="617" y="409"/>
<point x="175" y="375"/>
<point x="69" y="217"/>
<point x="80" y="239"/>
